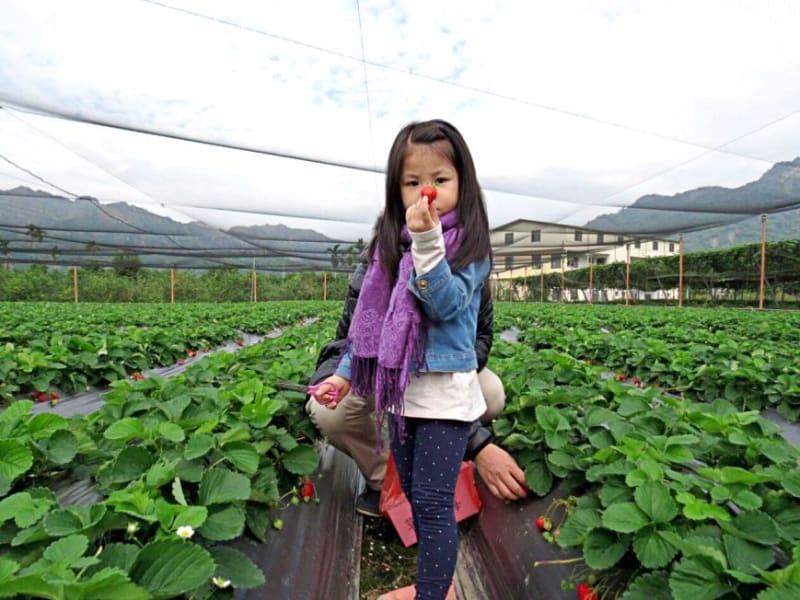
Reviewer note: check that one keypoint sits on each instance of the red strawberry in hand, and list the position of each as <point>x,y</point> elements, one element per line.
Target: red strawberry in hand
<point>430,193</point>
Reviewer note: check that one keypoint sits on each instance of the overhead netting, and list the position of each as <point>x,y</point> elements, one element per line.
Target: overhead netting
<point>196,135</point>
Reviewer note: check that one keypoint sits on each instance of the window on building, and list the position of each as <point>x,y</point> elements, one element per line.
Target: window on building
<point>655,244</point>
<point>555,262</point>
<point>578,236</point>
<point>637,244</point>
<point>672,246</point>
<point>536,235</point>
<point>600,260</point>
<point>509,238</point>
<point>572,261</point>
<point>620,239</point>
<point>509,263</point>
<point>536,261</point>
<point>600,238</point>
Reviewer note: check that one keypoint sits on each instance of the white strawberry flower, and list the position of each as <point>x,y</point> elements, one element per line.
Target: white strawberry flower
<point>221,582</point>
<point>185,532</point>
<point>132,528</point>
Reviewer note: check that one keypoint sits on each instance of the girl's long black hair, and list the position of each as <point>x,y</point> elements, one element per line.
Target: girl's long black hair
<point>471,208</point>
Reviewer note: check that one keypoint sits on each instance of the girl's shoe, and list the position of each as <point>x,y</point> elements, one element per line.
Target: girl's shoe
<point>409,593</point>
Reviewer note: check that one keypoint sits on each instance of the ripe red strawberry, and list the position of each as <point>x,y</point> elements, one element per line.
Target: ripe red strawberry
<point>586,593</point>
<point>54,396</point>
<point>40,396</point>
<point>540,523</point>
<point>429,192</point>
<point>240,343</point>
<point>307,491</point>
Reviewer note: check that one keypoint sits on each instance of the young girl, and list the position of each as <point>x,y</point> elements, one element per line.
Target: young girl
<point>411,343</point>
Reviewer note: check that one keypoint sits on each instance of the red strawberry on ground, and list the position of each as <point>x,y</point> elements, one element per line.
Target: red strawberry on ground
<point>40,396</point>
<point>540,523</point>
<point>429,192</point>
<point>53,395</point>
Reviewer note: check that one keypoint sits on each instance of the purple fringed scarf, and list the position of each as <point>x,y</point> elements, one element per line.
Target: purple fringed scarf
<point>387,331</point>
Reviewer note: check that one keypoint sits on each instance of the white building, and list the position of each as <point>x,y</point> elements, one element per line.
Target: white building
<point>525,248</point>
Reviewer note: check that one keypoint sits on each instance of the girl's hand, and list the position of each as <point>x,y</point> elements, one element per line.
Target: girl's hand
<point>421,216</point>
<point>330,391</point>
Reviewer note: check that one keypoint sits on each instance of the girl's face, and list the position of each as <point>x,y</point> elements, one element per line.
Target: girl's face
<point>426,164</point>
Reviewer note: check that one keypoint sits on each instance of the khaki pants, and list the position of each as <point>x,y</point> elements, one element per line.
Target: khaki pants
<point>350,426</point>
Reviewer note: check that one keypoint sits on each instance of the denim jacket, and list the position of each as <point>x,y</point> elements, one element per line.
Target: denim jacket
<point>450,301</point>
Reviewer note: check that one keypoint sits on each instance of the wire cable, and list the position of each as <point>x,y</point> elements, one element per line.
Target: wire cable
<point>447,82</point>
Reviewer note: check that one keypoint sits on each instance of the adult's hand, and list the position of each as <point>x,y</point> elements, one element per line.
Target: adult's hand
<point>501,473</point>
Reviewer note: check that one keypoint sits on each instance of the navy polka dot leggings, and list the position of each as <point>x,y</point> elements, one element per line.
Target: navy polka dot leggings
<point>428,462</point>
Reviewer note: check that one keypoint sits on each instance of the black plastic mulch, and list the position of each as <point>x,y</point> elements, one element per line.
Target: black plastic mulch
<point>317,553</point>
<point>498,550</point>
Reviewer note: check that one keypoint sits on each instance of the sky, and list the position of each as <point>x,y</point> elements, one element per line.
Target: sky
<point>261,111</point>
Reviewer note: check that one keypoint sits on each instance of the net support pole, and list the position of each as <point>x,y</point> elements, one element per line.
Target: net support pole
<point>254,282</point>
<point>563,277</point>
<point>627,274</point>
<point>680,271</point>
<point>75,284</point>
<point>172,285</point>
<point>527,284</point>
<point>591,278</point>
<point>541,283</point>
<point>325,285</point>
<point>763,262</point>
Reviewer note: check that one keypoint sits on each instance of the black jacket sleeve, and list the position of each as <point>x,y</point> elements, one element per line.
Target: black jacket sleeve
<point>485,327</point>
<point>329,355</point>
<point>479,437</point>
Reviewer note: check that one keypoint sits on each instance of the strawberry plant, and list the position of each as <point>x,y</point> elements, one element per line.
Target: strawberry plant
<point>182,466</point>
<point>688,495</point>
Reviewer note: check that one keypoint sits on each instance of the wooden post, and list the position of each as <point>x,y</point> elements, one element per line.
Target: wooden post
<point>253,282</point>
<point>172,285</point>
<point>680,271</point>
<point>75,284</point>
<point>563,263</point>
<point>541,283</point>
<point>527,283</point>
<point>627,274</point>
<point>591,277</point>
<point>325,286</point>
<point>763,261</point>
